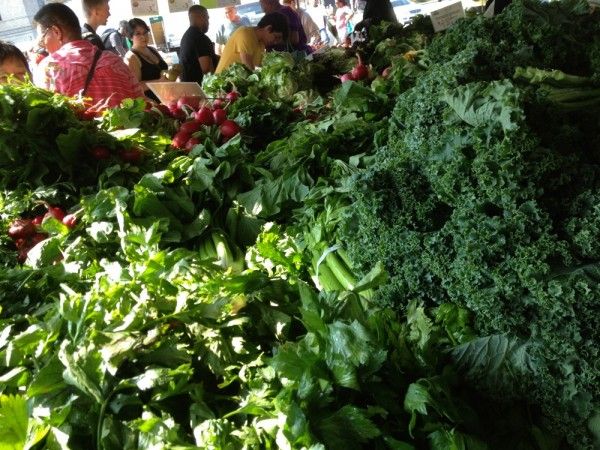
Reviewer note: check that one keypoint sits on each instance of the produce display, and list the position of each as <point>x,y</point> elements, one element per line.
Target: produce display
<point>393,246</point>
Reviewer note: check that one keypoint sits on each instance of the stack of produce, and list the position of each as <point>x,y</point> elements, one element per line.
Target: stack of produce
<point>405,259</point>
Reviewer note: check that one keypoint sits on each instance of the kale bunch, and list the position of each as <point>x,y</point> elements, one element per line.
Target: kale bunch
<point>486,195</point>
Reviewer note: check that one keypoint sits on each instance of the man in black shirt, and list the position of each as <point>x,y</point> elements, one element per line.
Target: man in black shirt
<point>197,52</point>
<point>96,14</point>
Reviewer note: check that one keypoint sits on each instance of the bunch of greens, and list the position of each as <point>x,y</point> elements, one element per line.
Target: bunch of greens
<point>483,195</point>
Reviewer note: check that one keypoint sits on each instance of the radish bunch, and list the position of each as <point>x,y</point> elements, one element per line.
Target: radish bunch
<point>359,72</point>
<point>208,121</point>
<point>26,233</point>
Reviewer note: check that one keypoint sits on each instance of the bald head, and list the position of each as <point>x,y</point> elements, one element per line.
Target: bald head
<point>198,16</point>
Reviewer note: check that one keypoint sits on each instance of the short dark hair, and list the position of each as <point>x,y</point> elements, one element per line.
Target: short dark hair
<point>57,14</point>
<point>133,24</point>
<point>197,9</point>
<point>9,51</point>
<point>88,5</point>
<point>278,23</point>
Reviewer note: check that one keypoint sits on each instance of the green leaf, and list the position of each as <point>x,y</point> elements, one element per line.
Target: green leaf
<point>454,440</point>
<point>348,428</point>
<point>48,379</point>
<point>375,278</point>
<point>415,401</point>
<point>487,103</point>
<point>75,373</point>
<point>14,419</point>
<point>72,143</point>
<point>45,253</point>
<point>490,356</point>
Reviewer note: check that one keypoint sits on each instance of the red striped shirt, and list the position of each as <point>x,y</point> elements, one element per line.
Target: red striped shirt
<point>66,70</point>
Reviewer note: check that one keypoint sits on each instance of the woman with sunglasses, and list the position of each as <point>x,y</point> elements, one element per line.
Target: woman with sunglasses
<point>144,61</point>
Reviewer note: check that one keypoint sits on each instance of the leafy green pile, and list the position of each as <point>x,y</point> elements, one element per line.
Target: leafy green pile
<point>484,195</point>
<point>207,300</point>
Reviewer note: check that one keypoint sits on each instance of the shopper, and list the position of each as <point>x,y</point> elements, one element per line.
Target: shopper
<point>145,62</point>
<point>233,22</point>
<point>247,44</point>
<point>377,11</point>
<point>297,38</point>
<point>75,66</point>
<point>13,63</point>
<point>343,14</point>
<point>116,40</point>
<point>96,14</point>
<point>311,29</point>
<point>197,52</point>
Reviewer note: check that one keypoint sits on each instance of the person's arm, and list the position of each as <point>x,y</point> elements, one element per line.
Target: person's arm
<point>206,64</point>
<point>134,64</point>
<point>205,53</point>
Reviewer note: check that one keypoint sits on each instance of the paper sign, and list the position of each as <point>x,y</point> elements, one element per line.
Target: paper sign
<point>179,5</point>
<point>209,4</point>
<point>444,17</point>
<point>157,26</point>
<point>144,7</point>
<point>171,91</point>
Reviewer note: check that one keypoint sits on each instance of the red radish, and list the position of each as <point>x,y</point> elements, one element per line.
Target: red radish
<point>360,72</point>
<point>180,139</point>
<point>190,127</point>
<point>178,114</point>
<point>232,96</point>
<point>131,155</point>
<point>100,152</point>
<point>218,103</point>
<point>191,143</point>
<point>21,229</point>
<point>386,72</point>
<point>37,220</point>
<point>70,220</point>
<point>346,77</point>
<point>205,116</point>
<point>193,101</point>
<point>229,129</point>
<point>37,238</point>
<point>55,211</point>
<point>219,115</point>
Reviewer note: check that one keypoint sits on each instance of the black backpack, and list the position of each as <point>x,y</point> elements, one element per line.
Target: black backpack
<point>106,34</point>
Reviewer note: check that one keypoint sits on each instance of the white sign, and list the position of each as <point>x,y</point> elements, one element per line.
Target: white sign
<point>144,7</point>
<point>179,5</point>
<point>444,17</point>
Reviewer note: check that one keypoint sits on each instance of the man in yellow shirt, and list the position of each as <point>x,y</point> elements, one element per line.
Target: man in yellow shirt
<point>247,44</point>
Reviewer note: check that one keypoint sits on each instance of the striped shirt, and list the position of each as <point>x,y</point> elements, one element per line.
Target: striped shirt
<point>66,70</point>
